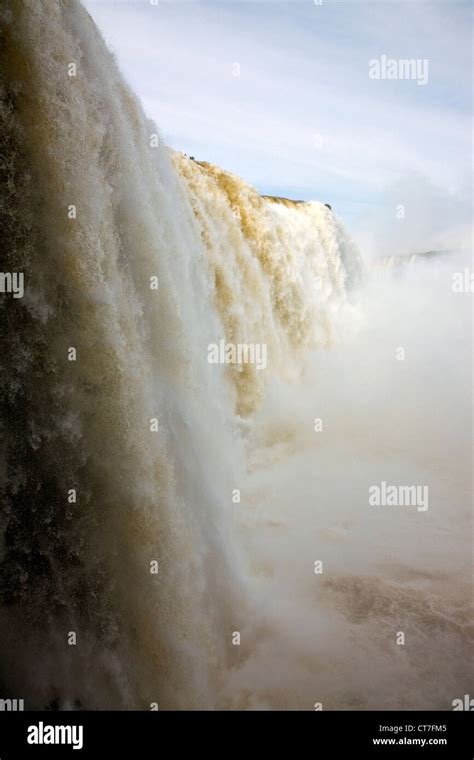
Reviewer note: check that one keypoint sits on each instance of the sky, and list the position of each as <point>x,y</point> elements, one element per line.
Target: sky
<point>280,94</point>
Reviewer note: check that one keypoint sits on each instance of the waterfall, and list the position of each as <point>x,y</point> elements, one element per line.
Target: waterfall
<point>136,473</point>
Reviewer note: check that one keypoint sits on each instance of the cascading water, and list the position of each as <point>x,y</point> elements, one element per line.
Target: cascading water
<point>155,504</point>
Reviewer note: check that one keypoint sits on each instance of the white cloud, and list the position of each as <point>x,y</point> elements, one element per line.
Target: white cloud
<point>303,71</point>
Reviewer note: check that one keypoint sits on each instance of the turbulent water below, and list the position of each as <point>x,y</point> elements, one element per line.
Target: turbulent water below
<point>199,534</point>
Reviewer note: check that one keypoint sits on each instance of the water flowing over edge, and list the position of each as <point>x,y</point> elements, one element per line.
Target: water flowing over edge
<point>162,258</point>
